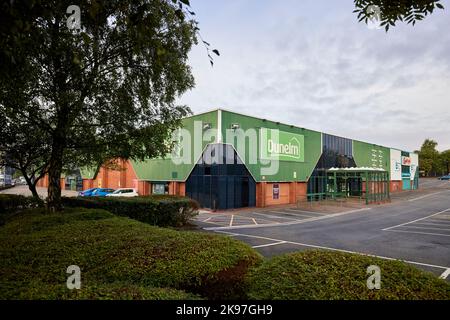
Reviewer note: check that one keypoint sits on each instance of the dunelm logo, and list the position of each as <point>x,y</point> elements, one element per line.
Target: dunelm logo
<point>292,149</point>
<point>281,145</point>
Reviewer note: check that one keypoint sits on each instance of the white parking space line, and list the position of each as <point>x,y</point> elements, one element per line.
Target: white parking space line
<point>207,219</point>
<point>254,221</point>
<point>293,214</point>
<point>305,211</point>
<point>269,244</point>
<point>428,195</point>
<point>271,216</point>
<point>278,224</point>
<point>442,222</point>
<point>433,224</point>
<point>335,249</point>
<point>445,274</point>
<point>402,224</point>
<point>420,232</point>
<point>216,223</point>
<point>231,220</point>
<point>427,228</point>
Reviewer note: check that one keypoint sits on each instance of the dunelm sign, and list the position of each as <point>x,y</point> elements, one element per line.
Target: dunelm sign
<point>281,145</point>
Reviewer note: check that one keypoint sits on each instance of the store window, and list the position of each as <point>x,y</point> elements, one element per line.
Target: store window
<point>160,188</point>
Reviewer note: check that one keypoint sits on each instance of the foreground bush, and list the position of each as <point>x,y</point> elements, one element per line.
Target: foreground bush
<point>11,203</point>
<point>333,275</point>
<point>159,211</point>
<point>37,290</point>
<point>36,248</point>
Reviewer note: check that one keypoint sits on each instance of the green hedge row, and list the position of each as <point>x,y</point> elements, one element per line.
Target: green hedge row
<point>12,203</point>
<point>159,211</point>
<point>328,275</point>
<point>119,258</point>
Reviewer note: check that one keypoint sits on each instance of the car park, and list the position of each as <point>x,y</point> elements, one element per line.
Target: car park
<point>123,192</point>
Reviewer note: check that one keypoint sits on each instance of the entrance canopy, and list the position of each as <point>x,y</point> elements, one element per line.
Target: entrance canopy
<point>370,184</point>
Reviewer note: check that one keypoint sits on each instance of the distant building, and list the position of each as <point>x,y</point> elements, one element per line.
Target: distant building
<point>6,174</point>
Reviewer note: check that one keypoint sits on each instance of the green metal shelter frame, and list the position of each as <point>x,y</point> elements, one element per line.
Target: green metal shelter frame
<point>370,185</point>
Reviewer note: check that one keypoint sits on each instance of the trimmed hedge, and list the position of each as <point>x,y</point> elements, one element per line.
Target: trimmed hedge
<point>37,290</point>
<point>12,203</point>
<point>115,252</point>
<point>158,211</point>
<point>325,275</point>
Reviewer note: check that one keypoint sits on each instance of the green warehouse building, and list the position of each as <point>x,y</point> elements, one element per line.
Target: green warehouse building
<point>226,160</point>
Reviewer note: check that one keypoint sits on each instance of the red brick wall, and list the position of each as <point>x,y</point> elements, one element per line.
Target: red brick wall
<point>144,188</point>
<point>290,192</point>
<point>121,176</point>
<point>177,188</point>
<point>88,184</point>
<point>395,186</point>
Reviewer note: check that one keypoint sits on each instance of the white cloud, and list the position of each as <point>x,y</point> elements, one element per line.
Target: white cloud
<point>311,64</point>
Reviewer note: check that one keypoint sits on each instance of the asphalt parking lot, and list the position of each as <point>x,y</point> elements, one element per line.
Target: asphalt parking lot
<point>414,227</point>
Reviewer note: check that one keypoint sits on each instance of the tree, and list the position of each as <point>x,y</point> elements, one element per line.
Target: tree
<point>105,89</point>
<point>445,161</point>
<point>389,12</point>
<point>24,152</point>
<point>429,157</point>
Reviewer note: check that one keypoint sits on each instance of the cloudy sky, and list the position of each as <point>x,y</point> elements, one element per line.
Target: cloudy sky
<point>311,64</point>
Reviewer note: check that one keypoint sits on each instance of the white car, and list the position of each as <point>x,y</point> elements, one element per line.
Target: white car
<point>123,192</point>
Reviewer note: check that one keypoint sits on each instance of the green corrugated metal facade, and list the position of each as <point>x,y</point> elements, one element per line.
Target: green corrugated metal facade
<point>365,154</point>
<point>165,169</point>
<point>288,171</point>
<point>371,155</point>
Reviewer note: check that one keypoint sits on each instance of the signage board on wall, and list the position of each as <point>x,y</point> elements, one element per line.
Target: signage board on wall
<point>406,161</point>
<point>281,145</point>
<point>276,191</point>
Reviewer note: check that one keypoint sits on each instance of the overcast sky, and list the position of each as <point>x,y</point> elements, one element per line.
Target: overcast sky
<point>311,64</point>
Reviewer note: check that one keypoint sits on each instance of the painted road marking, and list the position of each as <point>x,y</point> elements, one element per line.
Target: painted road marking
<point>272,216</point>
<point>287,223</point>
<point>231,220</point>
<point>430,228</point>
<point>402,224</point>
<point>254,221</point>
<point>305,211</point>
<point>440,221</point>
<point>428,195</point>
<point>292,213</point>
<point>445,274</point>
<point>289,213</point>
<point>433,224</point>
<point>420,232</point>
<point>336,249</point>
<point>269,244</point>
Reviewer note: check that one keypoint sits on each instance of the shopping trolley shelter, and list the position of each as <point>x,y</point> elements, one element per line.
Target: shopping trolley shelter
<point>281,188</point>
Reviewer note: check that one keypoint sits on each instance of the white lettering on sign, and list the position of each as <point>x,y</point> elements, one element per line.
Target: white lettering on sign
<point>285,149</point>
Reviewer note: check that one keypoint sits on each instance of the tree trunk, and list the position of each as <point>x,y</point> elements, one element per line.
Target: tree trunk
<point>31,186</point>
<point>54,176</point>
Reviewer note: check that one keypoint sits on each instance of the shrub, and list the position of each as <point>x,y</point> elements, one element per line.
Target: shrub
<point>37,290</point>
<point>37,247</point>
<point>158,211</point>
<point>11,203</point>
<point>334,275</point>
